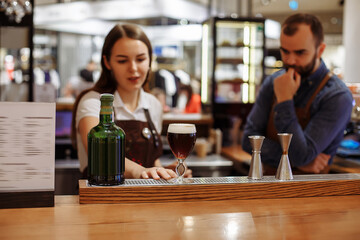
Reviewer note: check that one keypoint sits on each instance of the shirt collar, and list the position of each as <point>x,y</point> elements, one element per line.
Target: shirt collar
<point>142,100</point>
<point>118,102</point>
<point>319,74</point>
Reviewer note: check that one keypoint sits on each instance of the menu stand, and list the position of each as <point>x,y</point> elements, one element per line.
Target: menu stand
<point>27,154</point>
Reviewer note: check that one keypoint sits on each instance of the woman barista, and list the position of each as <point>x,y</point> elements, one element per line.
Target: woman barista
<point>126,61</point>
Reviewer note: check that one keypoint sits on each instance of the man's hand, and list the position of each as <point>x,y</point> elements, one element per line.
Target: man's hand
<point>286,85</point>
<point>317,165</point>
<point>157,173</point>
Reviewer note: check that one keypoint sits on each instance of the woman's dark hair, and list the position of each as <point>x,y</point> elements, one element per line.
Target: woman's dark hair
<point>106,82</point>
<point>290,26</point>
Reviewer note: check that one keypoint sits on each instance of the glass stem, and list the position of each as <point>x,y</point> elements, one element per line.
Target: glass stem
<point>180,169</point>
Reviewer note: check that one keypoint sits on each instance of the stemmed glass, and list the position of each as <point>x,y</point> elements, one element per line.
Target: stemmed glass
<point>181,138</point>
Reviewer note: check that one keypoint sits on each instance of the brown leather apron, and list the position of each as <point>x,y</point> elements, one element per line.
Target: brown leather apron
<point>141,148</point>
<point>303,116</point>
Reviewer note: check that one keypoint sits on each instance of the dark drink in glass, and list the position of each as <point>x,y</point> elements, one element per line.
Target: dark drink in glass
<point>181,138</point>
<point>181,144</point>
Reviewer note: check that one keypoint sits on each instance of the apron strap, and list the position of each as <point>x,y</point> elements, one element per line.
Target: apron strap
<point>321,85</point>
<point>303,114</point>
<point>152,128</point>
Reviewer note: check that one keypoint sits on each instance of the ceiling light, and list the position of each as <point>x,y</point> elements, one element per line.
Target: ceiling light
<point>293,4</point>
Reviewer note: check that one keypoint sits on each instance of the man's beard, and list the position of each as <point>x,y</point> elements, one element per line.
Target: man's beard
<point>303,71</point>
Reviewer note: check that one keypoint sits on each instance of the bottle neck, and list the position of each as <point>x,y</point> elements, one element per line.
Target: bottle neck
<point>106,118</point>
<point>106,114</point>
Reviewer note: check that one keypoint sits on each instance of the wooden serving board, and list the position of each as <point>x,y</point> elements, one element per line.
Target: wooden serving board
<point>221,188</point>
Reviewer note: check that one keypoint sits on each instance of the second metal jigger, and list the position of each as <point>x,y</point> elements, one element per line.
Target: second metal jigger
<point>256,171</point>
<point>284,171</point>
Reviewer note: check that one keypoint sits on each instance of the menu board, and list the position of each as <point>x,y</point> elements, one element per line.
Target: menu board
<point>27,147</point>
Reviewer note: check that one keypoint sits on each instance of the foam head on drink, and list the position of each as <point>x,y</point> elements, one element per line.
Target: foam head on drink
<point>181,138</point>
<point>182,128</point>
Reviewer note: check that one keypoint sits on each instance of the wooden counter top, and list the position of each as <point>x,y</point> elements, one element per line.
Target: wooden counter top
<point>293,218</point>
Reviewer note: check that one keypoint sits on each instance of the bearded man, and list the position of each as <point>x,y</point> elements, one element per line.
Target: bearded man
<point>304,99</point>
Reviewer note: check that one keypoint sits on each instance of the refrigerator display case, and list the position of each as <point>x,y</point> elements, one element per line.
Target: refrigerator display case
<point>232,66</point>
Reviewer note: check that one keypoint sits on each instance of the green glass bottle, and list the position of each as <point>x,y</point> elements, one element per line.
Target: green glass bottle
<point>106,148</point>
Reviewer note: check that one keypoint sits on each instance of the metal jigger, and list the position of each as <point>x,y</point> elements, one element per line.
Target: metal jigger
<point>256,171</point>
<point>284,171</point>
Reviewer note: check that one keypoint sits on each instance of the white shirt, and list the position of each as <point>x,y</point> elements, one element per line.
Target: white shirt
<point>89,106</point>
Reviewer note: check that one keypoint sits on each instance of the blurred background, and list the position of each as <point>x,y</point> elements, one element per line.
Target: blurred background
<point>50,50</point>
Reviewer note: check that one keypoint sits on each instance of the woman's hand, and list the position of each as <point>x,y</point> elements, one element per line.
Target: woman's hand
<point>157,173</point>
<point>134,170</point>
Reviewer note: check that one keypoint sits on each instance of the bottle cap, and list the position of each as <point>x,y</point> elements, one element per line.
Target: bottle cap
<point>107,97</point>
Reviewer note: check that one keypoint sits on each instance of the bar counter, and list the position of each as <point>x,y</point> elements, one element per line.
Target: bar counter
<point>287,218</point>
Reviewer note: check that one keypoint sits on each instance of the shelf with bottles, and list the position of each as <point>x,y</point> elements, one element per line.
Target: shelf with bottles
<point>235,32</point>
<point>235,61</point>
<point>272,64</point>
<point>250,57</point>
<point>229,92</point>
<point>223,45</point>
<point>232,63</point>
<point>251,72</point>
<point>272,61</point>
<point>231,81</point>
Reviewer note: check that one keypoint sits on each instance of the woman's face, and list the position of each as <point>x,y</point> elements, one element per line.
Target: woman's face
<point>129,63</point>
